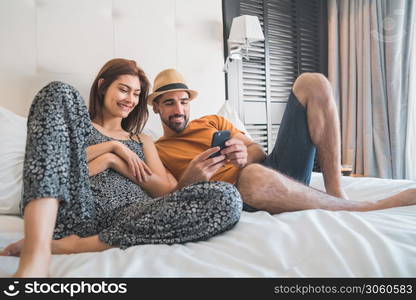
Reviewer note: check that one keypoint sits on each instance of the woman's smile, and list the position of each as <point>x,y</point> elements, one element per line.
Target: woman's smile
<point>125,107</point>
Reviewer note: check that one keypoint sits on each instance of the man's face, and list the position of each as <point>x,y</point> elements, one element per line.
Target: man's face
<point>173,108</point>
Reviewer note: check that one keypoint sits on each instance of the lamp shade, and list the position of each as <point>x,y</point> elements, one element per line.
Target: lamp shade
<point>245,29</point>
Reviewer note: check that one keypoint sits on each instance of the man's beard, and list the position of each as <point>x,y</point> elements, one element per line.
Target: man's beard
<point>178,128</point>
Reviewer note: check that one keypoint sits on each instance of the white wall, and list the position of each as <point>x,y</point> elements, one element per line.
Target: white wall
<point>69,40</point>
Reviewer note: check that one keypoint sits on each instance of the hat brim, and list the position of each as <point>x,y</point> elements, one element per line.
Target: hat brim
<point>152,96</point>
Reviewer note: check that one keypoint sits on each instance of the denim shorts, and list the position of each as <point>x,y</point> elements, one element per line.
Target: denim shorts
<point>293,153</point>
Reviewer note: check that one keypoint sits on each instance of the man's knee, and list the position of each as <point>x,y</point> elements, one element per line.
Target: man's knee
<point>249,175</point>
<point>312,86</point>
<point>260,187</point>
<point>248,182</point>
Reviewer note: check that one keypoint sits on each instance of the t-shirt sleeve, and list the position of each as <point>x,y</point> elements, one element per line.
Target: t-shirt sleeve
<point>223,124</point>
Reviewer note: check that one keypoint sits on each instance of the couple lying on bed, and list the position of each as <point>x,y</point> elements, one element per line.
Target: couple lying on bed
<point>93,181</point>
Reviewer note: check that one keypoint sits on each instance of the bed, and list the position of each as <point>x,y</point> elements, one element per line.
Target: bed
<point>310,243</point>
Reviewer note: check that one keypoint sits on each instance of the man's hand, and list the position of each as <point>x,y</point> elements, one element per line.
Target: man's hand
<point>202,168</point>
<point>236,152</point>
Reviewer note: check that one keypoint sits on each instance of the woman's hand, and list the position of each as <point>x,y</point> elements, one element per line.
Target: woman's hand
<point>13,249</point>
<point>202,167</point>
<point>138,167</point>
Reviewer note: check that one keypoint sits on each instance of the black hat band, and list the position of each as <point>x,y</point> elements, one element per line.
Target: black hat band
<point>172,86</point>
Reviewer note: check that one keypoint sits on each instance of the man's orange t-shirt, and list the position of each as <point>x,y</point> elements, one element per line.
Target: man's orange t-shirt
<point>177,151</point>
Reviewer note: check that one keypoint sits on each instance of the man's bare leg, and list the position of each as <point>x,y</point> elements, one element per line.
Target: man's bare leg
<point>39,223</point>
<point>314,92</point>
<point>269,190</point>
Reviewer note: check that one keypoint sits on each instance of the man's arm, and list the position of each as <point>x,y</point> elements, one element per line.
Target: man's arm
<point>255,152</point>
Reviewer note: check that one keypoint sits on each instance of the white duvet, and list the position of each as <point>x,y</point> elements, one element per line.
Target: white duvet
<point>312,243</point>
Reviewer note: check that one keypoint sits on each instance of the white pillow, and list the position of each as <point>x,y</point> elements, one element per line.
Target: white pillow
<point>12,152</point>
<point>231,115</point>
<point>153,127</point>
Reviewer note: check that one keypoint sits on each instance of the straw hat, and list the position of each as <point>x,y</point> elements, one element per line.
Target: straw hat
<point>167,81</point>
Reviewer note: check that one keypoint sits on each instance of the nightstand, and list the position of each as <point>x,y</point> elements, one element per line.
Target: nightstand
<point>346,170</point>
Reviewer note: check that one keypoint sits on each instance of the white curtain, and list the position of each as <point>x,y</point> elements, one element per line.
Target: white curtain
<point>369,67</point>
<point>410,171</point>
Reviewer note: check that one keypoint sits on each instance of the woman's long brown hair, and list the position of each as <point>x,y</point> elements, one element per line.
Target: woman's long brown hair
<point>114,68</point>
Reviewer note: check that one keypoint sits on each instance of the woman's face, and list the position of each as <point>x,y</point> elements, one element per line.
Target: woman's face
<point>122,96</point>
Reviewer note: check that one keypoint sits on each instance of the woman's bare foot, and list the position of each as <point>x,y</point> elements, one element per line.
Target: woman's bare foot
<point>37,266</point>
<point>13,249</point>
<point>35,252</point>
<point>33,262</point>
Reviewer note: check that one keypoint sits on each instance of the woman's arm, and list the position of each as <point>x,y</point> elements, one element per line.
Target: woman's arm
<point>101,163</point>
<point>154,184</point>
<point>100,156</point>
<point>97,150</point>
<point>159,183</point>
<point>111,161</point>
<point>163,182</point>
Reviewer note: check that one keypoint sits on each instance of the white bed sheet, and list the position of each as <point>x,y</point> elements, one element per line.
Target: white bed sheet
<point>312,243</point>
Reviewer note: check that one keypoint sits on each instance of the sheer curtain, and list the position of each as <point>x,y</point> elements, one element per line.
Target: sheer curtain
<point>369,67</point>
<point>410,171</point>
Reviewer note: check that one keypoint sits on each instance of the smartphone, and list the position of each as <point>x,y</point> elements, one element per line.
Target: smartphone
<point>218,139</point>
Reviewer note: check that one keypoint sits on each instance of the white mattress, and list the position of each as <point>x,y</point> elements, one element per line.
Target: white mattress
<point>312,243</point>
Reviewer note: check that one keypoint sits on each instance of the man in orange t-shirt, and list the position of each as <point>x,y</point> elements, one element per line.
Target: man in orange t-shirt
<point>276,182</point>
<point>193,140</point>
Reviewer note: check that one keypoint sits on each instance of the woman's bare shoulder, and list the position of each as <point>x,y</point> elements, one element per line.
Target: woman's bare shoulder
<point>143,138</point>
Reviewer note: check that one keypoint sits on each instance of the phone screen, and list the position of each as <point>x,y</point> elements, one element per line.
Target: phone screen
<point>218,139</point>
